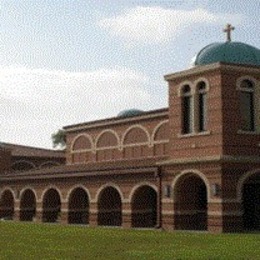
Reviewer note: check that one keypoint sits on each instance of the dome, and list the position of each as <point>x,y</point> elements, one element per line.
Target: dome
<point>130,112</point>
<point>229,52</point>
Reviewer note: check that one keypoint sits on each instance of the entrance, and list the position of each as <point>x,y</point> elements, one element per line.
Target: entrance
<point>251,203</point>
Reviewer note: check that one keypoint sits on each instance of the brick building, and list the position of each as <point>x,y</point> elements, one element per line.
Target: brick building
<point>192,166</point>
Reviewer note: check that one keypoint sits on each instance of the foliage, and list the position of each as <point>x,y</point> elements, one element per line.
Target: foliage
<point>53,241</point>
<point>59,139</point>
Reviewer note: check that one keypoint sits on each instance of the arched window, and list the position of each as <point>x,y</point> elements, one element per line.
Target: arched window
<point>247,105</point>
<point>202,106</point>
<point>187,110</point>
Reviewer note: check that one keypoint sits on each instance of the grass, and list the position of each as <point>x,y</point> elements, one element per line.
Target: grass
<point>49,241</point>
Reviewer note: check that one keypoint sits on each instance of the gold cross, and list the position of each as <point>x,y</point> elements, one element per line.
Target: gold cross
<point>228,30</point>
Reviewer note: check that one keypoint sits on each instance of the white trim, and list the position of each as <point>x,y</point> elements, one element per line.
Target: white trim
<point>195,172</point>
<point>26,162</point>
<point>199,80</point>
<point>131,128</point>
<point>25,189</point>
<point>246,77</point>
<point>102,133</point>
<point>53,163</point>
<point>49,188</point>
<point>76,187</point>
<point>107,185</point>
<point>139,185</point>
<point>83,150</point>
<point>181,86</point>
<point>242,180</point>
<point>155,130</point>
<point>8,189</point>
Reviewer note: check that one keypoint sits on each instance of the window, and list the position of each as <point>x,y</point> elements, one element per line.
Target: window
<point>202,106</point>
<point>186,110</point>
<point>247,106</point>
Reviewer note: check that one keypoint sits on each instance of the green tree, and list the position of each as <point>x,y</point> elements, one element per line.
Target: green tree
<point>59,139</point>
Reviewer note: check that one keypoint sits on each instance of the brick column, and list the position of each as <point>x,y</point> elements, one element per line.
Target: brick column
<point>167,214</point>
<point>215,217</point>
<point>39,212</point>
<point>64,212</point>
<point>126,215</point>
<point>93,214</point>
<point>16,215</point>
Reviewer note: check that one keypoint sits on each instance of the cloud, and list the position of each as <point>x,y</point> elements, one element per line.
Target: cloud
<point>157,25</point>
<point>36,102</point>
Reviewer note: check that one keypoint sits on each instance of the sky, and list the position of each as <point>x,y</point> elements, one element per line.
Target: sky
<point>64,62</point>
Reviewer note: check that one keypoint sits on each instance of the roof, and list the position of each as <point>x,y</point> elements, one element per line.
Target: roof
<point>229,52</point>
<point>90,169</point>
<point>28,151</point>
<point>117,120</point>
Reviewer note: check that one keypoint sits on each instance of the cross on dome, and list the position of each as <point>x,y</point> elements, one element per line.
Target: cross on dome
<point>228,30</point>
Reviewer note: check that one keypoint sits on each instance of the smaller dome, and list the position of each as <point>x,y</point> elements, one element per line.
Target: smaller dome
<point>130,112</point>
<point>229,52</point>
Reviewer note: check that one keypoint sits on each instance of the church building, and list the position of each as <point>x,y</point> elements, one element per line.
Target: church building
<point>194,165</point>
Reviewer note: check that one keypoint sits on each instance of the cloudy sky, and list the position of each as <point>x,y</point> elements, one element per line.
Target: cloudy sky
<point>70,61</point>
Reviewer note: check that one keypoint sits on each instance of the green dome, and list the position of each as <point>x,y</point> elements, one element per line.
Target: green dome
<point>130,112</point>
<point>229,52</point>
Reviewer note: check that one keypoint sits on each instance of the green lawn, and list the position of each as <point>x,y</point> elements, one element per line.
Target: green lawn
<point>46,241</point>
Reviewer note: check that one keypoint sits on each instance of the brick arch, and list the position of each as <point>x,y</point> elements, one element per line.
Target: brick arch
<point>7,203</point>
<point>196,172</point>
<point>137,186</point>
<point>160,133</point>
<point>82,142</point>
<point>184,83</point>
<point>136,142</point>
<point>51,204</point>
<point>141,135</point>
<point>28,204</point>
<point>242,180</point>
<point>28,188</point>
<point>8,189</point>
<point>160,139</point>
<point>107,145</point>
<point>144,206</point>
<point>113,185</point>
<point>107,138</point>
<point>75,187</point>
<point>78,200</point>
<point>82,148</point>
<point>191,207</point>
<point>28,165</point>
<point>51,187</point>
<point>48,164</point>
<point>202,79</point>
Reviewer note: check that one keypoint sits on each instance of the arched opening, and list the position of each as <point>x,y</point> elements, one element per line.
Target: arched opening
<point>27,206</point>
<point>23,166</point>
<point>251,203</point>
<point>109,208</point>
<point>107,146</point>
<point>81,149</point>
<point>78,207</point>
<point>144,207</point>
<point>190,203</point>
<point>161,139</point>
<point>136,143</point>
<point>7,205</point>
<point>51,206</point>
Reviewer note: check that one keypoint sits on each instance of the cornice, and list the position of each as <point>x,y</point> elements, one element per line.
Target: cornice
<point>206,159</point>
<point>211,67</point>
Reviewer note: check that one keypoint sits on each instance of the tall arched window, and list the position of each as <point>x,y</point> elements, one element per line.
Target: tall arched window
<point>187,110</point>
<point>247,106</point>
<point>202,106</point>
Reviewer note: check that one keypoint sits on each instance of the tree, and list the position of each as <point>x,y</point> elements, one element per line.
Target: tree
<point>59,139</point>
